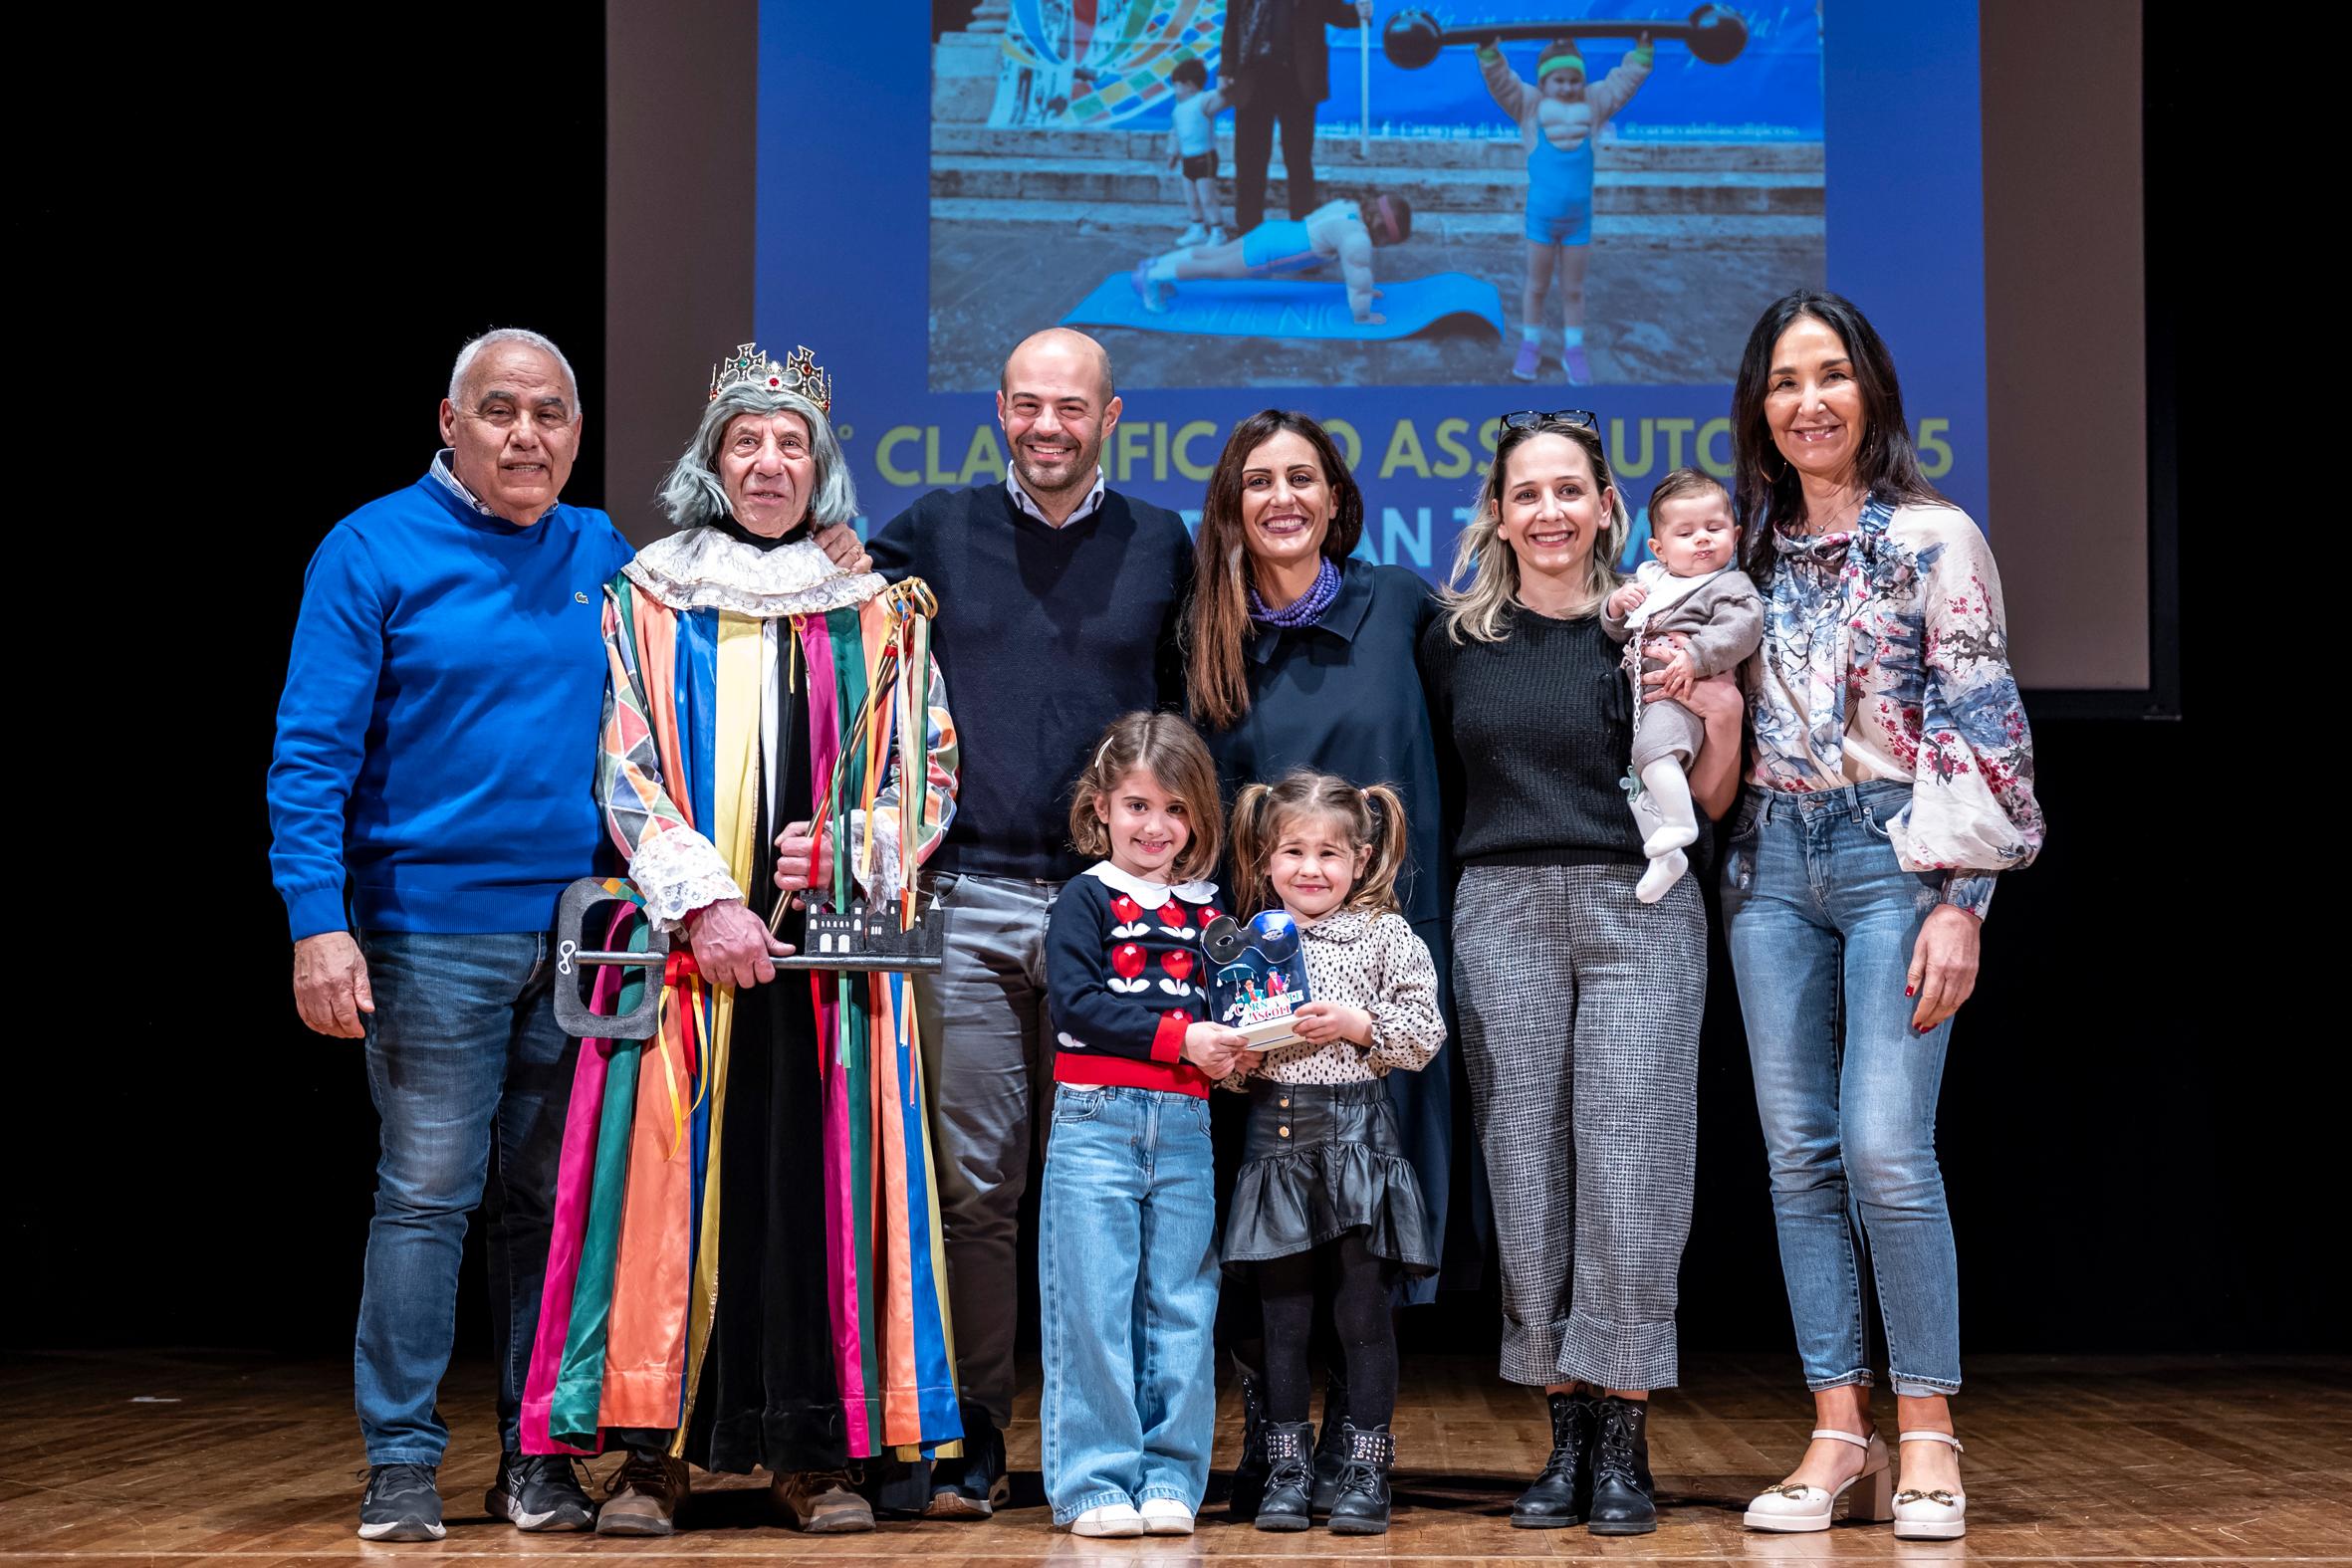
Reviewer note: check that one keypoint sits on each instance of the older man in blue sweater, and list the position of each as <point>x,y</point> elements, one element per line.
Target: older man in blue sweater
<point>430,795</point>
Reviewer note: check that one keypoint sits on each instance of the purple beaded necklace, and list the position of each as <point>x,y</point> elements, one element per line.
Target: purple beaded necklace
<point>1307,608</point>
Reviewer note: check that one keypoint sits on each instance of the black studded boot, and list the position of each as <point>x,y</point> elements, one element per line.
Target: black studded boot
<point>1248,1471</point>
<point>1622,1492</point>
<point>1360,1505</point>
<point>1290,1476</point>
<point>1561,1494</point>
<point>1330,1447</point>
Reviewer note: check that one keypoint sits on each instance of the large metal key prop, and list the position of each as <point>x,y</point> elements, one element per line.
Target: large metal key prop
<point>860,940</point>
<point>1715,34</point>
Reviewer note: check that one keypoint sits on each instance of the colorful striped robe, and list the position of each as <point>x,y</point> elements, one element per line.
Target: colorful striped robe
<point>632,1275</point>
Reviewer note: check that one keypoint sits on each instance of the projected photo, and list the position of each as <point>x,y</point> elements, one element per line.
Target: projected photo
<point>1361,192</point>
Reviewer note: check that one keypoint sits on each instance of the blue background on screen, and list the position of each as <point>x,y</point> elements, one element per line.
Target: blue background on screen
<point>844,256</point>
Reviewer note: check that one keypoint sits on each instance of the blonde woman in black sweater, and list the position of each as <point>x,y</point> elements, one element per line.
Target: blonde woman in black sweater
<point>1534,726</point>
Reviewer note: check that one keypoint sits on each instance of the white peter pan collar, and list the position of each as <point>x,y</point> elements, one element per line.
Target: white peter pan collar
<point>1151,894</point>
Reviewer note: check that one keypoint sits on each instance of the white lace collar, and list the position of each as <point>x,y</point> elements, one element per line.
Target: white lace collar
<point>703,568</point>
<point>1151,894</point>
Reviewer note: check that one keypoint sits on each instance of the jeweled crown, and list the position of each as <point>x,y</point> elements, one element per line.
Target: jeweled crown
<point>797,373</point>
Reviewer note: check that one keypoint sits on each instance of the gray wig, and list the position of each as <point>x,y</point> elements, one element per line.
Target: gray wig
<point>693,494</point>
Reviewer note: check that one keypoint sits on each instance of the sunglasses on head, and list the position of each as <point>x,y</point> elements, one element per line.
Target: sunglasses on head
<point>1538,418</point>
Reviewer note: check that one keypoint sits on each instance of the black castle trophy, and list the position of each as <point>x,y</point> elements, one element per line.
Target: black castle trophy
<point>859,940</point>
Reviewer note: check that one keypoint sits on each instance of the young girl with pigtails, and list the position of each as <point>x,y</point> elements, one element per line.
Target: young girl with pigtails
<point>1324,1187</point>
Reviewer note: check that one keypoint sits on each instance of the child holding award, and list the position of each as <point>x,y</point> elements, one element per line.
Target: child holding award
<point>1324,1184</point>
<point>1127,1239</point>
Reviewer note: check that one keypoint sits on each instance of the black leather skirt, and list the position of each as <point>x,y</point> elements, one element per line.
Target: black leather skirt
<point>1320,1160</point>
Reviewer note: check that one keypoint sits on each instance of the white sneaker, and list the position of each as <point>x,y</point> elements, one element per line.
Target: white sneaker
<point>1165,1516</point>
<point>1216,234</point>
<point>1787,1508</point>
<point>1197,234</point>
<point>1111,1519</point>
<point>1937,1516</point>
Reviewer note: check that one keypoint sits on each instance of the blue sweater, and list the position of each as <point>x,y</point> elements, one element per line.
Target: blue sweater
<point>437,736</point>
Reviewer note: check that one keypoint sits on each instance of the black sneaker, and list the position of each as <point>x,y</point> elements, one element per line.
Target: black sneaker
<point>539,1491</point>
<point>403,1505</point>
<point>976,1485</point>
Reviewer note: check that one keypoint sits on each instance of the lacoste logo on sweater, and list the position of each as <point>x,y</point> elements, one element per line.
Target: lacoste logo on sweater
<point>579,597</point>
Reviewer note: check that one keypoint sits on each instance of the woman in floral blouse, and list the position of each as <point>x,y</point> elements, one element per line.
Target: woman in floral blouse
<point>1892,782</point>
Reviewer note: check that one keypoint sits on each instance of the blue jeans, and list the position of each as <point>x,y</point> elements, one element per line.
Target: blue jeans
<point>1822,921</point>
<point>1127,1289</point>
<point>470,1076</point>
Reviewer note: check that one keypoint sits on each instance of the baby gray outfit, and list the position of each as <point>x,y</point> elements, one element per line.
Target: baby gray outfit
<point>1722,616</point>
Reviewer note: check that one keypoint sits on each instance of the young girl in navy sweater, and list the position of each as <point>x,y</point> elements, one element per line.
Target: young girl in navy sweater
<point>1127,1248</point>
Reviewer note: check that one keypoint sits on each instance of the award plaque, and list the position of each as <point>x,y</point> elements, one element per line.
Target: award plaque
<point>1257,977</point>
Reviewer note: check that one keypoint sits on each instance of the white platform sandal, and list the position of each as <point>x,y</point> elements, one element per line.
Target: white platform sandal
<point>1791,1509</point>
<point>1937,1516</point>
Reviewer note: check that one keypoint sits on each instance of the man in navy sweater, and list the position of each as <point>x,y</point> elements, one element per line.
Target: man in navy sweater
<point>1059,601</point>
<point>436,751</point>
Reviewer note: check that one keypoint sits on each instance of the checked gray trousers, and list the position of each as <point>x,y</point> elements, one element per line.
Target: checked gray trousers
<point>1579,1008</point>
<point>988,1046</point>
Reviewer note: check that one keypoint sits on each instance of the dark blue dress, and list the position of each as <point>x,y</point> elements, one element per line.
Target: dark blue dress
<point>1343,696</point>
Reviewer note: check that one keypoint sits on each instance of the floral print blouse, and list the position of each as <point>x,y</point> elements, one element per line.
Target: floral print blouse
<point>1885,657</point>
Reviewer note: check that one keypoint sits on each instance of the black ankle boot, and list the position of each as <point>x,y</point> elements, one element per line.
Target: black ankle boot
<point>1561,1494</point>
<point>1330,1447</point>
<point>1248,1471</point>
<point>1360,1504</point>
<point>1621,1487</point>
<point>1290,1476</point>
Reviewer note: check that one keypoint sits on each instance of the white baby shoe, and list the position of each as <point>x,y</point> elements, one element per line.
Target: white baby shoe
<point>1165,1516</point>
<point>1792,1509</point>
<point>1111,1519</point>
<point>1937,1516</point>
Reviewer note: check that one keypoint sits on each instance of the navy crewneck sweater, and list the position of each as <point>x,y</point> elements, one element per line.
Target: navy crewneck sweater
<point>1044,636</point>
<point>437,735</point>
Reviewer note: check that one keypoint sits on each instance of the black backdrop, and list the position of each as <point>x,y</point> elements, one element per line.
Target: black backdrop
<point>274,275</point>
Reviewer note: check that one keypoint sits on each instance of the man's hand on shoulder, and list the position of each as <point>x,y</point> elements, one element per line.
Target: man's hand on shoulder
<point>842,546</point>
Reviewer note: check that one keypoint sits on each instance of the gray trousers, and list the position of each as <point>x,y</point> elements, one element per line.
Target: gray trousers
<point>1580,1009</point>
<point>1668,729</point>
<point>987,1045</point>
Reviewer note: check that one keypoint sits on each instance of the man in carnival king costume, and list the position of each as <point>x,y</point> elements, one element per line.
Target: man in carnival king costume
<point>432,754</point>
<point>745,1268</point>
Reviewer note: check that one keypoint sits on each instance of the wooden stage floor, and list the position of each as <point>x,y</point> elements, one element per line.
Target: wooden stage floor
<point>198,1457</point>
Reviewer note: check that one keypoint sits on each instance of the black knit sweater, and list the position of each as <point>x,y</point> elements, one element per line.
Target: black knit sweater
<point>1045,636</point>
<point>1534,733</point>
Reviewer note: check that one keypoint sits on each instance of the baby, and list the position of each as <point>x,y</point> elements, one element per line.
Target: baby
<point>1340,231</point>
<point>1692,589</point>
<point>1558,118</point>
<point>1192,146</point>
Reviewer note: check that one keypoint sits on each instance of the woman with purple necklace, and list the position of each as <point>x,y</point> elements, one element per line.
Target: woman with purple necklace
<point>1297,656</point>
